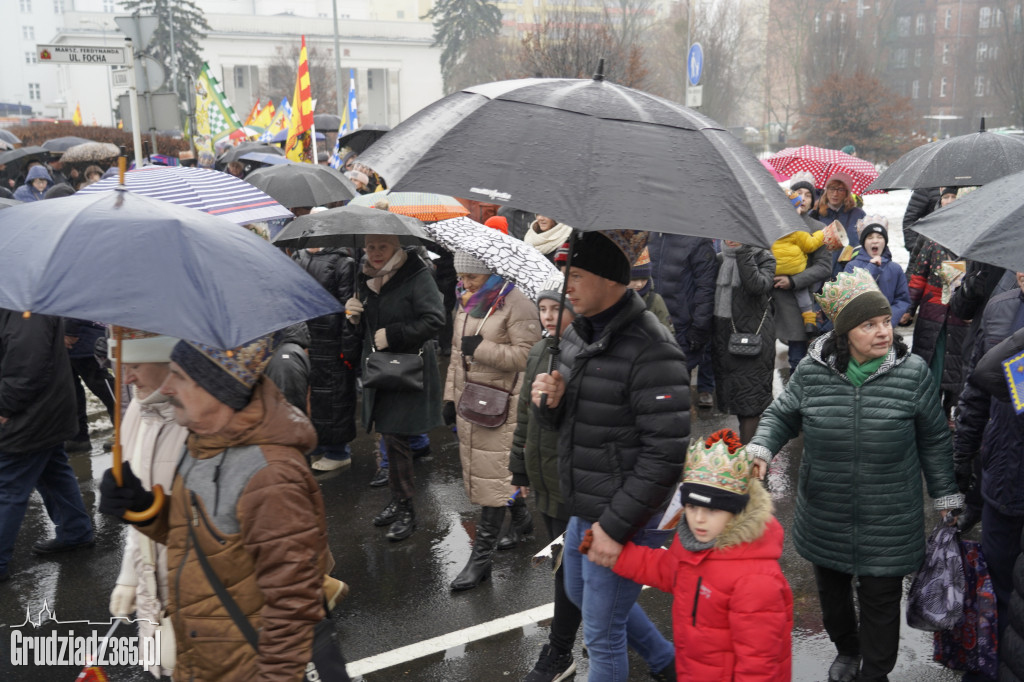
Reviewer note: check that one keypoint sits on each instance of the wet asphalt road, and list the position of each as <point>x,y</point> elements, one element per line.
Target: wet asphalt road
<point>400,597</point>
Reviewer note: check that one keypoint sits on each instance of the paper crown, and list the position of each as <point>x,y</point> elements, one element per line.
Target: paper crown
<point>720,462</point>
<point>837,294</point>
<point>630,242</point>
<point>644,259</point>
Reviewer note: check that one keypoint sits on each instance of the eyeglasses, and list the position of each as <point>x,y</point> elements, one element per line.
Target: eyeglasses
<point>837,189</point>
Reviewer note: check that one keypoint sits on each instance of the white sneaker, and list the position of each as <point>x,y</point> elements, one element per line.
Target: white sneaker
<point>328,464</point>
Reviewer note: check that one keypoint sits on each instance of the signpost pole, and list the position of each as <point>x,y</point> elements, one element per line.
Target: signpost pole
<point>133,102</point>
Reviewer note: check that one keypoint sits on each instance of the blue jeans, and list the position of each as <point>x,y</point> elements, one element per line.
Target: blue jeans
<point>797,351</point>
<point>417,442</point>
<point>612,620</point>
<point>705,373</point>
<point>49,472</point>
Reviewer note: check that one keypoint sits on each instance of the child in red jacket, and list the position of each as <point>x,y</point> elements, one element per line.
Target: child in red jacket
<point>732,610</point>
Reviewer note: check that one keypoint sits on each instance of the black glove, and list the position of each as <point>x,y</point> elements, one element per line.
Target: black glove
<point>99,351</point>
<point>471,343</point>
<point>132,496</point>
<point>963,469</point>
<point>448,412</point>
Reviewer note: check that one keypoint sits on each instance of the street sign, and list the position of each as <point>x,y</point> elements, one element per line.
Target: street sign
<point>695,63</point>
<point>150,74</point>
<point>165,112</point>
<point>694,96</point>
<point>139,29</point>
<point>119,78</point>
<point>81,54</point>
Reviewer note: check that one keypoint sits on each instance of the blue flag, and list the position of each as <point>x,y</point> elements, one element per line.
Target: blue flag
<point>349,120</point>
<point>1014,369</point>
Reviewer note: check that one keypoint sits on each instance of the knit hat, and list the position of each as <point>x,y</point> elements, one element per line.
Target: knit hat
<point>227,375</point>
<point>873,224</point>
<point>948,190</point>
<point>852,298</point>
<point>717,473</point>
<point>803,180</point>
<point>140,346</point>
<point>849,149</point>
<point>840,176</point>
<point>552,291</point>
<point>497,222</point>
<point>642,267</point>
<point>609,254</point>
<point>466,264</point>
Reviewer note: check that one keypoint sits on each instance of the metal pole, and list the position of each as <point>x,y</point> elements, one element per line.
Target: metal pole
<point>686,60</point>
<point>337,62</point>
<point>174,58</point>
<point>133,102</point>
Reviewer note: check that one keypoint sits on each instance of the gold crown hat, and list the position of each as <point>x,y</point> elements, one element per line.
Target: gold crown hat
<point>717,473</point>
<point>852,298</point>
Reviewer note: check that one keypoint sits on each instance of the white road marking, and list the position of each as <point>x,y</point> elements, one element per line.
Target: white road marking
<point>444,642</point>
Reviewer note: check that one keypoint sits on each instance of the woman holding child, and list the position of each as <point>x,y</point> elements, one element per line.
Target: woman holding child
<point>872,424</point>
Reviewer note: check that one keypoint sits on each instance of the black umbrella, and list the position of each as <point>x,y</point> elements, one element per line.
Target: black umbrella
<point>302,184</point>
<point>22,153</point>
<point>985,225</point>
<point>327,123</point>
<point>347,226</point>
<point>975,159</point>
<point>62,144</point>
<point>590,154</point>
<point>235,153</point>
<point>8,136</point>
<point>360,140</point>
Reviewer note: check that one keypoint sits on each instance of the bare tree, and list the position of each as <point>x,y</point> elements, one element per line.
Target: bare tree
<point>282,70</point>
<point>1007,69</point>
<point>791,27</point>
<point>485,60</point>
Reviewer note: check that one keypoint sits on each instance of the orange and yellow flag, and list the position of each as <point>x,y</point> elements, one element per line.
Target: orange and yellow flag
<point>254,114</point>
<point>76,118</point>
<point>300,146</point>
<point>266,116</point>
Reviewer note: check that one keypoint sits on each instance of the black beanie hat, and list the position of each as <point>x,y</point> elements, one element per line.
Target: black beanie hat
<point>598,254</point>
<point>875,228</point>
<point>712,497</point>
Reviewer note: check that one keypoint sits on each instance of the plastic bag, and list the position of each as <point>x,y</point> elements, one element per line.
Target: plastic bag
<point>936,599</point>
<point>973,645</point>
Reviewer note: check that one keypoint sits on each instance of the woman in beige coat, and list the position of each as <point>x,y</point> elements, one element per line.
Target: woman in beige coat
<point>495,327</point>
<point>153,443</point>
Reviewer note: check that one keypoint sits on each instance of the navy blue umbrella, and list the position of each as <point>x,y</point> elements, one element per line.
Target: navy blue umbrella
<point>125,259</point>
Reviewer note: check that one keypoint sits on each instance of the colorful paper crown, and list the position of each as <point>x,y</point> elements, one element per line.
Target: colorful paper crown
<point>644,259</point>
<point>630,242</point>
<point>720,462</point>
<point>837,294</point>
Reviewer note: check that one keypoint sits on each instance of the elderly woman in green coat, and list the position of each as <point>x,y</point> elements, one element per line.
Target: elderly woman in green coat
<point>872,424</point>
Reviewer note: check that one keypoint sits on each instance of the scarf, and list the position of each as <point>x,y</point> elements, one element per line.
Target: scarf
<point>548,242</point>
<point>687,539</point>
<point>858,373</point>
<point>378,277</point>
<point>492,293</point>
<point>728,278</point>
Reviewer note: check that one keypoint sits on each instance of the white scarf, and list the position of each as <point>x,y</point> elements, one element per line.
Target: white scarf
<point>379,277</point>
<point>547,242</point>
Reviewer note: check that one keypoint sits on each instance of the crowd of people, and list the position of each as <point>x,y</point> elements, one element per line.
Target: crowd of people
<point>599,443</point>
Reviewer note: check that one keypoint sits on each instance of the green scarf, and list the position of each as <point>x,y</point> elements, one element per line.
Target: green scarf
<point>858,373</point>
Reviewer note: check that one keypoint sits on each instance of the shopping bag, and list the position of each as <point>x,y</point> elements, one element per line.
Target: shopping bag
<point>936,599</point>
<point>972,646</point>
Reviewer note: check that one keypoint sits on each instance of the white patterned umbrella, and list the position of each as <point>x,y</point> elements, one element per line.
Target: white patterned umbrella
<point>510,258</point>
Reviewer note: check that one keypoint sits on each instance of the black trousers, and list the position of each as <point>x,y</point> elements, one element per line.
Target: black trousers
<point>100,381</point>
<point>399,466</point>
<point>567,618</point>
<point>877,639</point>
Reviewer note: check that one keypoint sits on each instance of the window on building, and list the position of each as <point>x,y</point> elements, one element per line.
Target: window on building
<point>31,57</point>
<point>1018,18</point>
<point>842,21</point>
<point>109,6</point>
<point>401,14</point>
<point>58,6</point>
<point>903,26</point>
<point>979,86</point>
<point>997,17</point>
<point>982,52</point>
<point>860,8</point>
<point>239,76</point>
<point>922,27</point>
<point>949,19</point>
<point>817,22</point>
<point>942,87</point>
<point>33,92</point>
<point>26,5</point>
<point>985,17</point>
<point>918,53</point>
<point>828,19</point>
<point>929,96</point>
<point>915,89</point>
<point>945,53</point>
<point>28,32</point>
<point>899,58</point>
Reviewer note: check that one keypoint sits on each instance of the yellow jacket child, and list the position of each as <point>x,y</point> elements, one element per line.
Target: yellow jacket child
<point>791,251</point>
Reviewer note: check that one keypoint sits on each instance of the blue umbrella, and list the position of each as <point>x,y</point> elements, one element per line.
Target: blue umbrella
<point>265,159</point>
<point>126,259</point>
<point>283,136</point>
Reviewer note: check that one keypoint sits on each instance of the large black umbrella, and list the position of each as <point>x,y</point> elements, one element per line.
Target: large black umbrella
<point>8,136</point>
<point>975,159</point>
<point>360,140</point>
<point>985,225</point>
<point>302,184</point>
<point>235,153</point>
<point>62,144</point>
<point>347,226</point>
<point>22,153</point>
<point>589,153</point>
<point>327,123</point>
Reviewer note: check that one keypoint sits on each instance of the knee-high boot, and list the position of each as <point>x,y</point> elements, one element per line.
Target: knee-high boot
<point>478,568</point>
<point>520,526</point>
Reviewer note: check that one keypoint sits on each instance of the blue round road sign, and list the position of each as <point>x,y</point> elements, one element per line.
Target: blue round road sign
<point>695,63</point>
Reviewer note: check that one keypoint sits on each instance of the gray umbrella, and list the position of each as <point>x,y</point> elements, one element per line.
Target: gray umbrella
<point>360,140</point>
<point>588,153</point>
<point>62,144</point>
<point>327,123</point>
<point>23,153</point>
<point>975,159</point>
<point>985,225</point>
<point>7,203</point>
<point>302,184</point>
<point>347,226</point>
<point>8,136</point>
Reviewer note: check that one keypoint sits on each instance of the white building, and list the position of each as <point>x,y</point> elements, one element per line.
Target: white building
<point>397,70</point>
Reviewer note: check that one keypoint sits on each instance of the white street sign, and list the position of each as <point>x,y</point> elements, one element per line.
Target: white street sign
<point>81,54</point>
<point>694,96</point>
<point>119,78</point>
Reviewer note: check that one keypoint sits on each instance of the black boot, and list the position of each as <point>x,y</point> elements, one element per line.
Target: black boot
<point>405,522</point>
<point>519,527</point>
<point>478,568</point>
<point>387,515</point>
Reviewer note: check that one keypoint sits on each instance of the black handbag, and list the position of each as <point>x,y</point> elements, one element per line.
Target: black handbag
<point>746,345</point>
<point>393,371</point>
<point>327,663</point>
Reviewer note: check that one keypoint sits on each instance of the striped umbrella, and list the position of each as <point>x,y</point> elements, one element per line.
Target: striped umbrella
<point>420,205</point>
<point>207,190</point>
<point>822,163</point>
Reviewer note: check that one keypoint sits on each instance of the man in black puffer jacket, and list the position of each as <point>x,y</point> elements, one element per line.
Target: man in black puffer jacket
<point>922,202</point>
<point>624,426</point>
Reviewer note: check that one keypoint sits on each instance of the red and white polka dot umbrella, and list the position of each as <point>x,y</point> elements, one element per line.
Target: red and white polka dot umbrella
<point>822,164</point>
